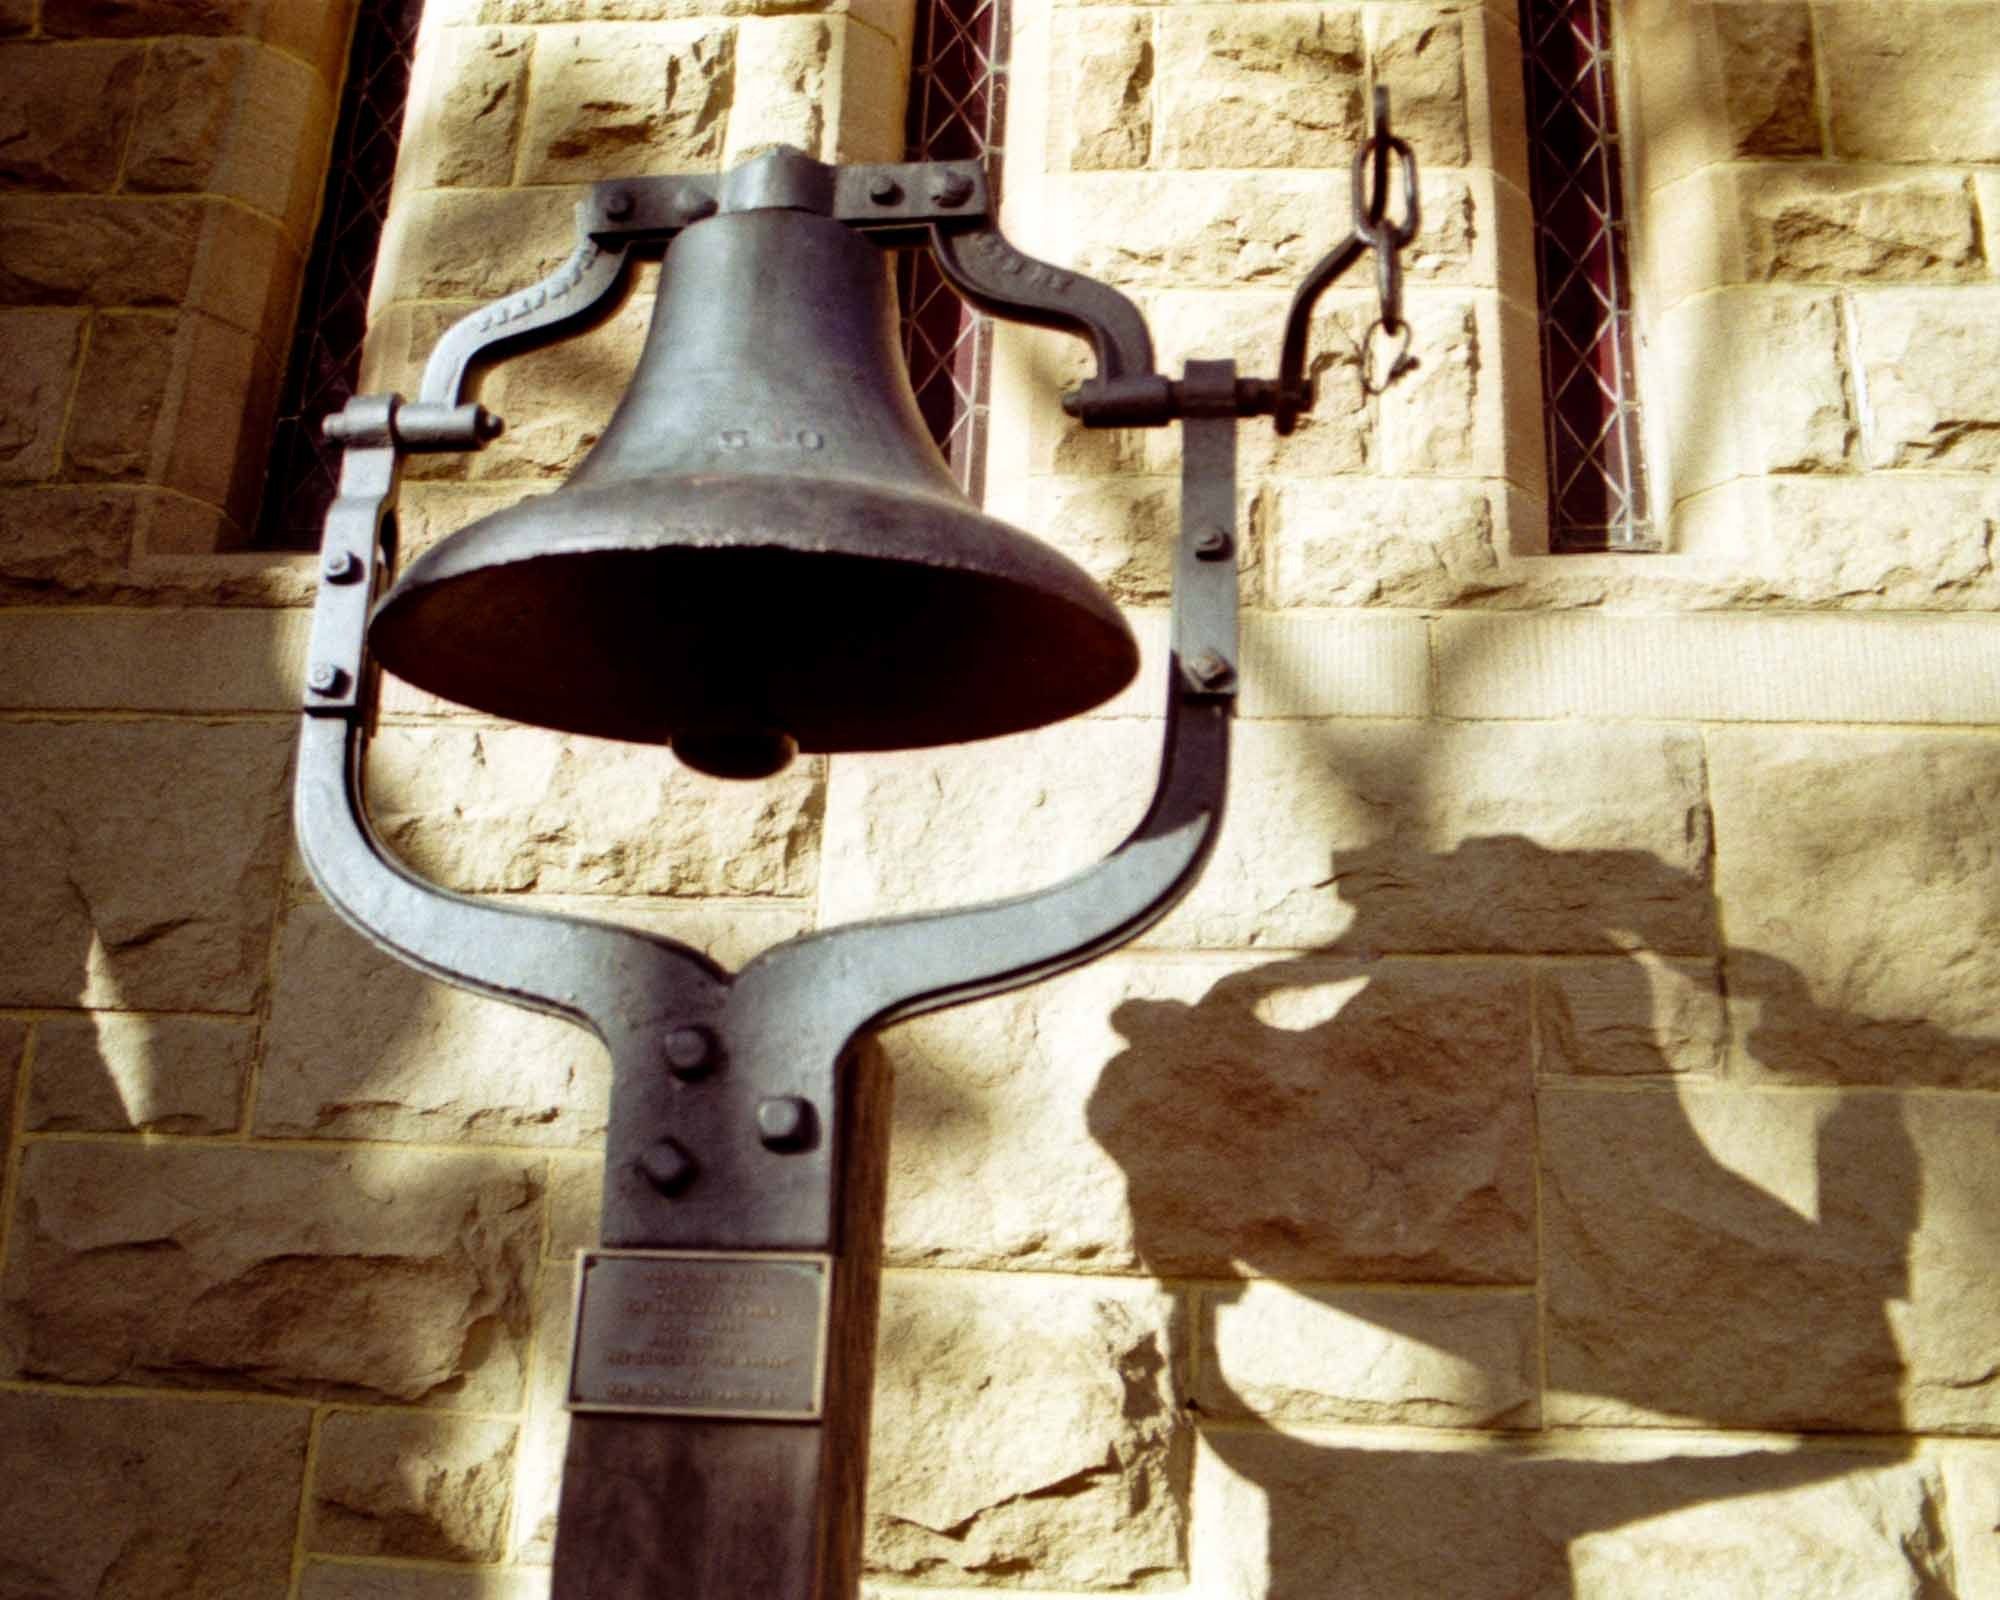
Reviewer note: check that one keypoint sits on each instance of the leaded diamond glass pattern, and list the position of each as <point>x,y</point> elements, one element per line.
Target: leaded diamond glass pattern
<point>325,360</point>
<point>1597,476</point>
<point>957,92</point>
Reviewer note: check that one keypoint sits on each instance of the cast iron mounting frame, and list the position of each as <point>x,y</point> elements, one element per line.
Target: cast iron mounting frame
<point>725,1123</point>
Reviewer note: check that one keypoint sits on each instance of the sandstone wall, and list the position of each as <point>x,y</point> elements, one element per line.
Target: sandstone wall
<point>1551,1153</point>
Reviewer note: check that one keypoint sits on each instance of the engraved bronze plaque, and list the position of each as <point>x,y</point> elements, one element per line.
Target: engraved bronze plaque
<point>698,1334</point>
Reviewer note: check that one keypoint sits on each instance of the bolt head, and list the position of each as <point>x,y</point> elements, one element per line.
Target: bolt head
<point>1212,545</point>
<point>668,1167</point>
<point>325,678</point>
<point>618,204</point>
<point>690,1052</point>
<point>340,566</point>
<point>884,190</point>
<point>695,207</point>
<point>953,189</point>
<point>785,1122</point>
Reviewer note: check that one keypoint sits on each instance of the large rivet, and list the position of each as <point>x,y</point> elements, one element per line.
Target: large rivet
<point>953,189</point>
<point>884,190</point>
<point>668,1167</point>
<point>618,204</point>
<point>785,1122</point>
<point>690,1052</point>
<point>1212,544</point>
<point>325,678</point>
<point>697,206</point>
<point>340,566</point>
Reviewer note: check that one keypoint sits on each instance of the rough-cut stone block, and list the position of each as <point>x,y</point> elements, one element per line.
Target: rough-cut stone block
<point>1636,1015</point>
<point>361,1046</point>
<point>434,1488</point>
<point>124,399</point>
<point>1089,1488</point>
<point>557,400</point>
<point>1259,86</point>
<point>13,1041</point>
<point>545,1431</point>
<point>1912,80</point>
<point>1862,917</point>
<point>61,542</point>
<point>1838,224</point>
<point>145,18</point>
<point>1698,1240</point>
<point>1309,1119</point>
<point>110,1073</point>
<point>467,130</point>
<point>1768,88</point>
<point>368,1275</point>
<point>110,252</point>
<point>239,120</point>
<point>333,1580</point>
<point>1367,1356</point>
<point>1124,532</point>
<point>609,102</point>
<point>1972,1487</point>
<point>783,73</point>
<point>1223,230</point>
<point>135,1498</point>
<point>1340,433</point>
<point>1354,1514</point>
<point>1375,542</point>
<point>159,892</point>
<point>1440,418</point>
<point>1753,383</point>
<point>1933,389</point>
<point>66,114</point>
<point>152,660</point>
<point>35,383</point>
<point>516,808</point>
<point>1889,540</point>
<point>1102,67</point>
<point>1422,55</point>
<point>452,244</point>
<point>1525,838</point>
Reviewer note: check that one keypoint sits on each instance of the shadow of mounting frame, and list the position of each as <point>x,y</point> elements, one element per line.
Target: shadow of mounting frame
<point>720,1374</point>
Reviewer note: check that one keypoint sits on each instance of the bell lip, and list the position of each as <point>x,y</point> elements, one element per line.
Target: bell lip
<point>751,516</point>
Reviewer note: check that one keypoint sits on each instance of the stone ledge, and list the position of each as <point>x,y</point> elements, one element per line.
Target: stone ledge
<point>1721,669</point>
<point>173,661</point>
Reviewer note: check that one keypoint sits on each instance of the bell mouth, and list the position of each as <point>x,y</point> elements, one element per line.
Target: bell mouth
<point>728,615</point>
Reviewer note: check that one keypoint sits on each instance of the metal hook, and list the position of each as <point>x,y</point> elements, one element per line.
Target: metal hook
<point>1399,363</point>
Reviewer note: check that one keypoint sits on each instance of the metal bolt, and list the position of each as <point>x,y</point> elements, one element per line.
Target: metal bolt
<point>695,207</point>
<point>1209,669</point>
<point>618,204</point>
<point>325,678</point>
<point>884,190</point>
<point>1212,545</point>
<point>690,1052</point>
<point>668,1167</point>
<point>953,189</point>
<point>785,1122</point>
<point>340,566</point>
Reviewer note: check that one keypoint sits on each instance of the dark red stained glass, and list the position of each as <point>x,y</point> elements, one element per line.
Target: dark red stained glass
<point>957,104</point>
<point>1597,478</point>
<point>325,360</point>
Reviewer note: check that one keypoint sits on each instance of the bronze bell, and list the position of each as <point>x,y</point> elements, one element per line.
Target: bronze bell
<point>765,552</point>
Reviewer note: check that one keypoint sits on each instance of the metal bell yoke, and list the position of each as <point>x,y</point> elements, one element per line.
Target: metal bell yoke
<point>764,552</point>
